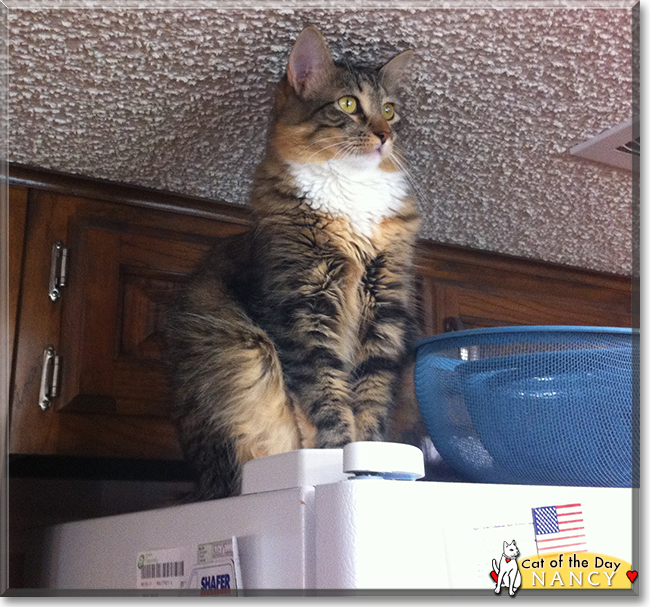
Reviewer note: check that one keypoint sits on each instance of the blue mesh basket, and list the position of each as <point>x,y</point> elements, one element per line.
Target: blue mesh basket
<point>533,405</point>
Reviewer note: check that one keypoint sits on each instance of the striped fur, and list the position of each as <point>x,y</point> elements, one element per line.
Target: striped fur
<point>296,334</point>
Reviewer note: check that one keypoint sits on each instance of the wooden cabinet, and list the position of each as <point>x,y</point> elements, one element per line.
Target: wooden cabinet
<point>123,264</point>
<point>120,278</point>
<point>127,252</point>
<point>463,289</point>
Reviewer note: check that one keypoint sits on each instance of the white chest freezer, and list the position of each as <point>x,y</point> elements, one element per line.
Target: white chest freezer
<point>303,525</point>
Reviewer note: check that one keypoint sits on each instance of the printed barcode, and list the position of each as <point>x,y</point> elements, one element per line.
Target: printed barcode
<point>172,569</point>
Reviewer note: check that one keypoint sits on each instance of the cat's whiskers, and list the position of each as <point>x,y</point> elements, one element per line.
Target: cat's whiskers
<point>327,147</point>
<point>401,165</point>
<point>400,161</point>
<point>398,158</point>
<point>348,147</point>
<point>320,141</point>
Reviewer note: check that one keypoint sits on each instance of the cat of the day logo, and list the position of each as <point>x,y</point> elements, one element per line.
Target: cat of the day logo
<point>559,571</point>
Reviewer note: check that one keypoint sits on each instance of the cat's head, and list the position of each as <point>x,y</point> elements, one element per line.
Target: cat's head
<point>327,110</point>
<point>510,550</point>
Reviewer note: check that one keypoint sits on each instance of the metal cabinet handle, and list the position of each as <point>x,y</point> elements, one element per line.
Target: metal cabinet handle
<point>49,378</point>
<point>58,269</point>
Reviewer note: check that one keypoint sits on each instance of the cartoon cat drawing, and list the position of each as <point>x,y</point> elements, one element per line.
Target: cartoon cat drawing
<point>508,569</point>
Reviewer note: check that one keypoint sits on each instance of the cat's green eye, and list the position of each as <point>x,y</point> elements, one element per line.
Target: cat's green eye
<point>389,111</point>
<point>348,104</point>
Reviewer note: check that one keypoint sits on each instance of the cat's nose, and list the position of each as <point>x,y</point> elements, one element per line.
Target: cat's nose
<point>383,135</point>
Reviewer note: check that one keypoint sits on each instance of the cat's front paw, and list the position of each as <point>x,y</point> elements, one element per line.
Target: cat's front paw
<point>329,439</point>
<point>337,443</point>
<point>335,436</point>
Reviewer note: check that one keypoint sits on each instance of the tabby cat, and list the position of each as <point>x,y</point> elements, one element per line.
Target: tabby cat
<point>296,333</point>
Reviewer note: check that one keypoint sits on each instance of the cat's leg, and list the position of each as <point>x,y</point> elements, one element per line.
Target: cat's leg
<point>500,581</point>
<point>389,332</point>
<point>316,374</point>
<point>512,581</point>
<point>308,327</point>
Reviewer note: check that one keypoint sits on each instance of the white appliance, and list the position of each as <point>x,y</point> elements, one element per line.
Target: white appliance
<point>306,523</point>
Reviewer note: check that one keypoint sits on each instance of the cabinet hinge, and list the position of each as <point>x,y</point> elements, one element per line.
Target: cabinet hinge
<point>49,378</point>
<point>58,269</point>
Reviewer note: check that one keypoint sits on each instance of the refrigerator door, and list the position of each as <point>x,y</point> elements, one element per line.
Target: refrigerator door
<point>274,533</point>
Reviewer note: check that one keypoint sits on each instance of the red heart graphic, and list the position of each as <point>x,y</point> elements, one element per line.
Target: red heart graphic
<point>632,575</point>
<point>495,577</point>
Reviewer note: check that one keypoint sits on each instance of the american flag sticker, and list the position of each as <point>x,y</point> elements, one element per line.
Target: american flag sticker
<point>559,527</point>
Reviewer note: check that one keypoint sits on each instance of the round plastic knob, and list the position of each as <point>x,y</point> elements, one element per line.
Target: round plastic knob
<point>394,461</point>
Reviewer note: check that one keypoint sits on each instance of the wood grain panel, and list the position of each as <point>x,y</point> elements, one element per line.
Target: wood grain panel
<point>478,308</point>
<point>114,313</point>
<point>487,309</point>
<point>36,178</point>
<point>492,272</point>
<point>117,436</point>
<point>33,430</point>
<point>144,295</point>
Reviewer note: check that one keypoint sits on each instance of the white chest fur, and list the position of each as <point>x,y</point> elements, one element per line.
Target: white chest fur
<point>363,194</point>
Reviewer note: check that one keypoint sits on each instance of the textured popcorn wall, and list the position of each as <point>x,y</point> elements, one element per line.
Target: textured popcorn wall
<point>179,100</point>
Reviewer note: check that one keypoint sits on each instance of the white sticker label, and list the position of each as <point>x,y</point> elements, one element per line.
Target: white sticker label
<point>212,568</point>
<point>162,568</point>
<point>217,568</point>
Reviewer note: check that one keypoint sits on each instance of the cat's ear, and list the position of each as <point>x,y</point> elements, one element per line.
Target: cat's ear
<point>394,70</point>
<point>310,62</point>
<point>505,545</point>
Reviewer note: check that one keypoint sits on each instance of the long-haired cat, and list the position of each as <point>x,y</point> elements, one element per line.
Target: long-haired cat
<point>296,333</point>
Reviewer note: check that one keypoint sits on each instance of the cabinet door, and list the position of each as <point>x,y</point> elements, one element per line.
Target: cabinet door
<point>458,308</point>
<point>124,264</point>
<point>121,279</point>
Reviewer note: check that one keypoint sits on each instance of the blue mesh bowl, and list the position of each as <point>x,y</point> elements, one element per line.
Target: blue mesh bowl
<point>533,405</point>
